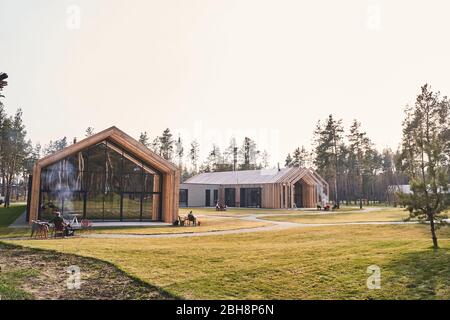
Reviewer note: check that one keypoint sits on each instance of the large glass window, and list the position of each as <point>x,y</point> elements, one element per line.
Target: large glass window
<point>251,197</point>
<point>103,182</point>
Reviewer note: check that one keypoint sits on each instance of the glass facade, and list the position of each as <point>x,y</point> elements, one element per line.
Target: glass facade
<point>103,182</point>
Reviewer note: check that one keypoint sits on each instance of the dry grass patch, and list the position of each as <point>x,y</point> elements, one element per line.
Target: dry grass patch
<point>37,274</point>
<point>342,217</point>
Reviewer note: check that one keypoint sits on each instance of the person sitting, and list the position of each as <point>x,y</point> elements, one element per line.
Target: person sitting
<point>192,218</point>
<point>61,227</point>
<point>59,224</point>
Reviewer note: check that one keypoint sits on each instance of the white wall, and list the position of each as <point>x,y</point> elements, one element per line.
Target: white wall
<point>197,194</point>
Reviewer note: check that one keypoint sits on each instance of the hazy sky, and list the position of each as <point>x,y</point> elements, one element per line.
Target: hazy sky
<point>213,68</point>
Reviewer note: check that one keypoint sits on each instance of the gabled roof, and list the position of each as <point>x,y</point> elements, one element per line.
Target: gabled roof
<point>248,176</point>
<point>120,138</point>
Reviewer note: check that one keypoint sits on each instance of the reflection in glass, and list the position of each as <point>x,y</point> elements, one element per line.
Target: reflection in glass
<point>132,206</point>
<point>151,207</point>
<point>50,201</point>
<point>112,206</point>
<point>103,182</point>
<point>94,205</point>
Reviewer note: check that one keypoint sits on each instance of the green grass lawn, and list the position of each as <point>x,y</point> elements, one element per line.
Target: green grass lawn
<point>208,224</point>
<point>300,263</point>
<point>9,284</point>
<point>342,217</point>
<point>9,215</point>
<point>9,280</point>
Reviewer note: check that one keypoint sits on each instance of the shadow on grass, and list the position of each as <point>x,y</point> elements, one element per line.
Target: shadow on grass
<point>104,280</point>
<point>423,274</point>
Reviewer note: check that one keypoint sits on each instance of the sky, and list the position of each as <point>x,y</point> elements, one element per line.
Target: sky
<point>212,69</point>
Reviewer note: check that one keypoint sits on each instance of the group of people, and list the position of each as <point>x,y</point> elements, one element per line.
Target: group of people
<point>221,207</point>
<point>326,206</point>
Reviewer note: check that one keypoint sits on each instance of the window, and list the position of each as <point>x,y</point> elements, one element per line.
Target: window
<point>251,197</point>
<point>230,197</point>
<point>207,198</point>
<point>216,196</point>
<point>183,197</point>
<point>102,182</point>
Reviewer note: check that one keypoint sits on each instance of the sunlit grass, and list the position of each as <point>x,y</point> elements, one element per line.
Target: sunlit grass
<point>300,263</point>
<point>207,224</point>
<point>9,215</point>
<point>338,217</point>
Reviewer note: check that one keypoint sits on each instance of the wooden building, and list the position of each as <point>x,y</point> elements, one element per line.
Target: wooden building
<point>274,188</point>
<point>107,176</point>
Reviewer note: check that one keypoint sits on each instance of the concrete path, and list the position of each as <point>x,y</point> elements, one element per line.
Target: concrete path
<point>21,221</point>
<point>273,226</point>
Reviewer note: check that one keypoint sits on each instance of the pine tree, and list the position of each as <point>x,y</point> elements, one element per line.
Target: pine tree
<point>3,83</point>
<point>248,154</point>
<point>144,139</point>
<point>359,146</point>
<point>179,151</point>
<point>89,132</point>
<point>426,158</point>
<point>166,144</point>
<point>300,157</point>
<point>328,139</point>
<point>231,155</point>
<point>194,155</point>
<point>264,163</point>
<point>155,146</point>
<point>15,151</point>
<point>214,159</point>
<point>288,161</point>
<point>54,146</point>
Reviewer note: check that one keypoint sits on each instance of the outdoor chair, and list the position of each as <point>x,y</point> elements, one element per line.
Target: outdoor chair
<point>221,207</point>
<point>59,229</point>
<point>86,224</point>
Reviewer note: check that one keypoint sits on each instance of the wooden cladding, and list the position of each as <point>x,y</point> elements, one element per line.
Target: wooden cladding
<point>282,194</point>
<point>169,172</point>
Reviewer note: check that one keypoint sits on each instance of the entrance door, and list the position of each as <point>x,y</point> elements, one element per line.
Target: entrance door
<point>207,198</point>
<point>216,196</point>
<point>298,195</point>
<point>230,197</point>
<point>251,197</point>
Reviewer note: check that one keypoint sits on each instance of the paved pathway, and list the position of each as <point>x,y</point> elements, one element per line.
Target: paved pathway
<point>273,226</point>
<point>20,222</point>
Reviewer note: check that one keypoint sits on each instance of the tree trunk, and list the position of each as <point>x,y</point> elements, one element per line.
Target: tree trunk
<point>433,232</point>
